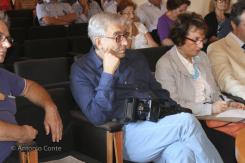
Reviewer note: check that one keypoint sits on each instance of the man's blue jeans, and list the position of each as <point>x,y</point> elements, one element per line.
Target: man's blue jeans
<point>177,138</point>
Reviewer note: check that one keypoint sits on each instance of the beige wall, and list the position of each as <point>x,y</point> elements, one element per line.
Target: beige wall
<point>198,6</point>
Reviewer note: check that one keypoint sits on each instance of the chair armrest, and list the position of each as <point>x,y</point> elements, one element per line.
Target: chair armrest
<point>111,126</point>
<point>240,146</point>
<point>235,98</point>
<point>27,147</point>
<point>28,152</point>
<point>73,54</point>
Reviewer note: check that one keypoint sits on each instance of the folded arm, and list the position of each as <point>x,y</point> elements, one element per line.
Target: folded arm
<point>59,20</point>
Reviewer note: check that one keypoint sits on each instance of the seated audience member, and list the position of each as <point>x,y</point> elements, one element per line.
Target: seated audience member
<point>140,36</point>
<point>12,85</point>
<point>225,28</point>
<point>68,1</point>
<point>227,55</point>
<point>110,5</point>
<point>5,5</point>
<point>52,12</point>
<point>186,73</point>
<point>148,13</point>
<point>166,21</point>
<point>85,9</point>
<point>216,19</point>
<point>25,4</point>
<point>101,81</point>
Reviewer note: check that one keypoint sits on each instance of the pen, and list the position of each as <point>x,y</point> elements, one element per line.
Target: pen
<point>222,98</point>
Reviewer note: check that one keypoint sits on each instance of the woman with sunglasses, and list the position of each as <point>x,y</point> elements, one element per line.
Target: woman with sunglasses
<point>140,37</point>
<point>216,18</point>
<point>186,73</point>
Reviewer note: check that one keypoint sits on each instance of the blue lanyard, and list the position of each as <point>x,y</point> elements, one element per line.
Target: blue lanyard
<point>195,66</point>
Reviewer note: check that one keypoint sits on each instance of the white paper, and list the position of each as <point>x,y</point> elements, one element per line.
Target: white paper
<point>234,113</point>
<point>68,159</point>
<point>231,115</point>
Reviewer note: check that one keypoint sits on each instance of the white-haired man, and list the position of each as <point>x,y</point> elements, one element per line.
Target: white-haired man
<point>105,77</point>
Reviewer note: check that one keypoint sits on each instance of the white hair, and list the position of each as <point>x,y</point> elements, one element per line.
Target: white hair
<point>4,18</point>
<point>101,22</point>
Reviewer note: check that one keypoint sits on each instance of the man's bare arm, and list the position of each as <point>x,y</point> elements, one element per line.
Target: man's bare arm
<point>39,96</point>
<point>13,132</point>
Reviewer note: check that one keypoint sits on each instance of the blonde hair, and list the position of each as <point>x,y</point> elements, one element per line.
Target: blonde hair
<point>212,5</point>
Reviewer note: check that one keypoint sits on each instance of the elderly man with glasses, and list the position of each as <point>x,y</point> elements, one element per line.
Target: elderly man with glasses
<point>12,85</point>
<point>101,81</point>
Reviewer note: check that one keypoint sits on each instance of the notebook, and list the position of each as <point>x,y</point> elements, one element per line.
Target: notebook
<point>230,115</point>
<point>68,159</point>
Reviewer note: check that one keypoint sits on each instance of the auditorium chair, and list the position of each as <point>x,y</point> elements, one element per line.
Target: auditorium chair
<point>152,54</point>
<point>21,22</point>
<point>80,29</point>
<point>94,141</point>
<point>31,114</point>
<point>240,146</point>
<point>27,13</point>
<point>46,48</point>
<point>79,44</point>
<point>19,34</point>
<point>49,72</point>
<point>44,32</point>
<point>104,142</point>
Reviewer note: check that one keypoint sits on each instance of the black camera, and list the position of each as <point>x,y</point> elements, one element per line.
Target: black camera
<point>149,109</point>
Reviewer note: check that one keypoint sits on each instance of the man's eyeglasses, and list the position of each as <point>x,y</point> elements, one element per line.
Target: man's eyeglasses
<point>197,42</point>
<point>4,38</point>
<point>119,37</point>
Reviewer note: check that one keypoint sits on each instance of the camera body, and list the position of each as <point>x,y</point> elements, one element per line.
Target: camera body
<point>149,109</point>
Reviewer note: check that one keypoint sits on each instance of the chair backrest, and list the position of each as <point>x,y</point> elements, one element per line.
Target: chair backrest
<point>28,152</point>
<point>153,54</point>
<point>155,36</point>
<point>18,34</point>
<point>81,44</point>
<point>27,13</point>
<point>28,113</point>
<point>46,48</point>
<point>49,72</point>
<point>21,22</point>
<point>43,32</point>
<point>78,29</point>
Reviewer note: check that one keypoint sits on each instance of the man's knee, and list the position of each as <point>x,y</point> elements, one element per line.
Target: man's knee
<point>188,118</point>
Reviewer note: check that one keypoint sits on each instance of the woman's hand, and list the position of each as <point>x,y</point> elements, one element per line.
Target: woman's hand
<point>219,106</point>
<point>236,105</point>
